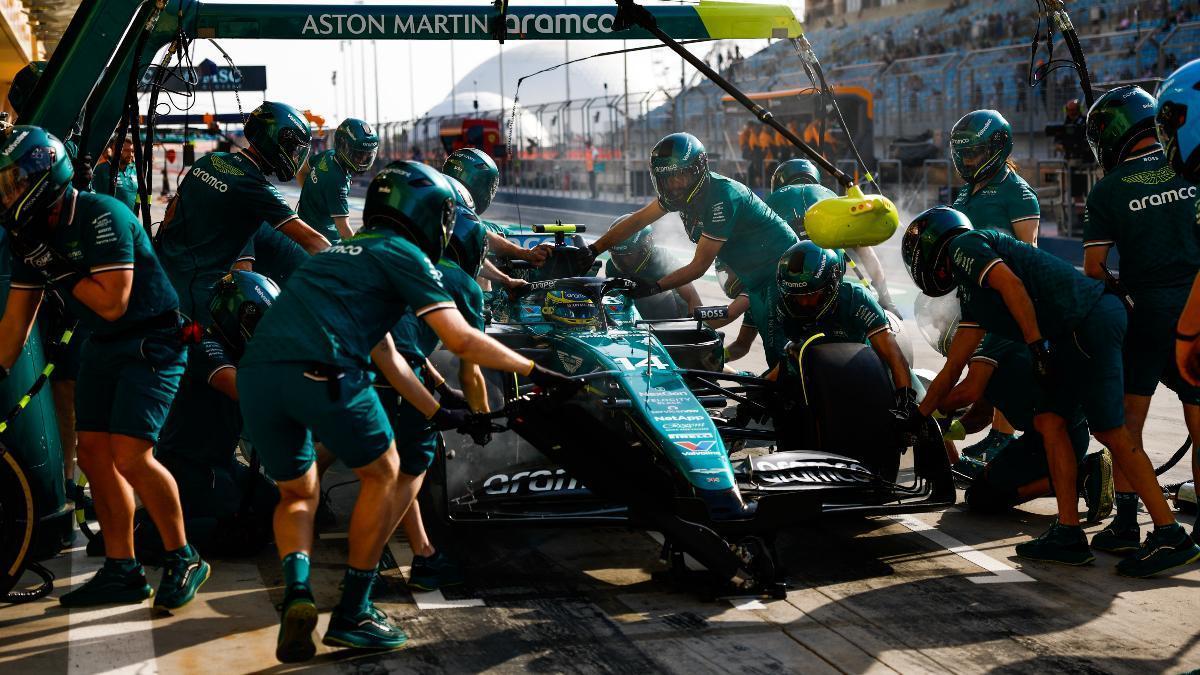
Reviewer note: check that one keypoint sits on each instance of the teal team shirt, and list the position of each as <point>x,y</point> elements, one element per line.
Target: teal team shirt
<point>325,194</point>
<point>127,189</point>
<point>1149,214</point>
<point>1005,200</point>
<point>415,338</point>
<point>273,254</point>
<point>855,317</point>
<point>1061,296</point>
<point>218,207</point>
<point>754,236</point>
<point>100,235</point>
<point>340,304</point>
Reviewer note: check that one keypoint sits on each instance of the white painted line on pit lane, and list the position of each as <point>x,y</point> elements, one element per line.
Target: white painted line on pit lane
<point>1001,572</point>
<point>426,600</point>
<point>96,643</point>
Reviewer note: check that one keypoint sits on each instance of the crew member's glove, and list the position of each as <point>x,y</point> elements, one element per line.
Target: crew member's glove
<point>479,428</point>
<point>1043,363</point>
<point>554,382</point>
<point>582,259</point>
<point>448,420</point>
<point>645,289</point>
<point>53,265</point>
<point>908,418</point>
<point>83,173</point>
<point>537,255</point>
<point>450,397</point>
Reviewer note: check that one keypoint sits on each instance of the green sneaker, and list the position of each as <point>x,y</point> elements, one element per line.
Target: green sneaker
<point>1098,491</point>
<point>1065,544</point>
<point>434,572</point>
<point>1165,548</point>
<point>296,624</point>
<point>182,578</point>
<point>986,449</point>
<point>1117,538</point>
<point>369,629</point>
<point>111,585</point>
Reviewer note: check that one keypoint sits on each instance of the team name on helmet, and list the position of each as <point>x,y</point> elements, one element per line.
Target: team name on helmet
<point>1161,198</point>
<point>210,180</point>
<point>15,142</point>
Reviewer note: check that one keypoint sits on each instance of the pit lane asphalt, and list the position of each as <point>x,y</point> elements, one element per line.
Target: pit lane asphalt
<point>865,595</point>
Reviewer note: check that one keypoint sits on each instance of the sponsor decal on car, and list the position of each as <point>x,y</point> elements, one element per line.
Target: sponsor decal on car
<point>698,448</point>
<point>541,480</point>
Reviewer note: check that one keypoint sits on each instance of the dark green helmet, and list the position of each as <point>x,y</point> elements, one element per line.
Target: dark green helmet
<point>279,134</point>
<point>1117,121</point>
<point>35,171</point>
<point>414,200</point>
<point>468,238</point>
<point>679,167</point>
<point>924,248</point>
<point>795,172</point>
<point>476,170</point>
<point>356,145</point>
<point>980,144</point>
<point>22,85</point>
<point>808,277</point>
<point>238,303</point>
<point>639,245</point>
<point>791,202</point>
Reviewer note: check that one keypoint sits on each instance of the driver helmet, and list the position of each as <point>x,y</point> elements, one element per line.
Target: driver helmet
<point>791,202</point>
<point>1178,132</point>
<point>416,201</point>
<point>637,249</point>
<point>980,144</point>
<point>679,167</point>
<point>938,320</point>
<point>476,170</point>
<point>572,309</point>
<point>239,301</point>
<point>730,283</point>
<point>808,277</point>
<point>1117,121</point>
<point>279,134</point>
<point>35,172</point>
<point>924,248</point>
<point>356,145</point>
<point>795,172</point>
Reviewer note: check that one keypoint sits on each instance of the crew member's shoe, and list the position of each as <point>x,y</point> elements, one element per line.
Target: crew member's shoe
<point>1165,548</point>
<point>183,575</point>
<point>1118,538</point>
<point>1064,544</point>
<point>117,582</point>
<point>368,629</point>
<point>1098,491</point>
<point>433,572</point>
<point>986,449</point>
<point>296,623</point>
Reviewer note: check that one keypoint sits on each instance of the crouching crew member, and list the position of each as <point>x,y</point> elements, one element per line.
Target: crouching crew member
<point>1148,213</point>
<point>306,372</point>
<point>637,258</point>
<point>725,220</point>
<point>92,251</point>
<point>1074,333</point>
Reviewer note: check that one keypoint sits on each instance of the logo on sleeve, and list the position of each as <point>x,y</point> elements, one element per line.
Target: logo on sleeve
<point>963,261</point>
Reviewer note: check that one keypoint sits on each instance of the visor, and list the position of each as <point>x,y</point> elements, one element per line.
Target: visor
<point>449,215</point>
<point>293,146</point>
<point>17,180</point>
<point>729,282</point>
<point>676,187</point>
<point>807,305</point>
<point>971,158</point>
<point>361,160</point>
<point>14,183</point>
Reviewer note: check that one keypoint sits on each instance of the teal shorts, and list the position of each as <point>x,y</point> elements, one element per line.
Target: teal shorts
<point>1150,346</point>
<point>283,406</point>
<point>416,439</point>
<point>126,386</point>
<point>1089,364</point>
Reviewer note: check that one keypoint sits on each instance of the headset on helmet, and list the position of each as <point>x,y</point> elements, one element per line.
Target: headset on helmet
<point>356,145</point>
<point>924,248</point>
<point>476,170</point>
<point>35,172</point>
<point>569,308</point>
<point>791,202</point>
<point>679,167</point>
<point>1178,120</point>
<point>1117,121</point>
<point>414,200</point>
<point>808,277</point>
<point>279,134</point>
<point>238,303</point>
<point>795,172</point>
<point>980,143</point>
